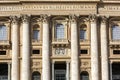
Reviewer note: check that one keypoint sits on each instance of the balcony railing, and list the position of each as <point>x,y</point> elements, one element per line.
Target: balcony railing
<point>114,42</point>
<point>4,42</point>
<point>36,42</point>
<point>60,41</point>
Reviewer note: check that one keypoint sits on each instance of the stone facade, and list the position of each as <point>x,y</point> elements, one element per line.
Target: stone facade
<point>89,58</point>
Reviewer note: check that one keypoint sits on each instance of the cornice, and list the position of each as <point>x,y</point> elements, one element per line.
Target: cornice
<point>27,1</point>
<point>53,1</point>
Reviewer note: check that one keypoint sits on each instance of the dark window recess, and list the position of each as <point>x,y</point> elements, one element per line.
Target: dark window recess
<point>83,51</point>
<point>116,51</point>
<point>2,52</point>
<point>36,51</point>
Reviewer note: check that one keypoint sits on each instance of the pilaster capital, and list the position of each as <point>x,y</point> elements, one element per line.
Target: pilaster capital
<point>104,19</point>
<point>92,17</point>
<point>73,18</point>
<point>25,18</point>
<point>14,19</point>
<point>45,18</point>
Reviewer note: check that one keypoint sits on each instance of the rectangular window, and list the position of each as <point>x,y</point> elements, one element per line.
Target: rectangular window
<point>2,52</point>
<point>83,34</point>
<point>36,34</point>
<point>59,31</point>
<point>116,32</point>
<point>83,51</point>
<point>116,51</point>
<point>3,32</point>
<point>36,52</point>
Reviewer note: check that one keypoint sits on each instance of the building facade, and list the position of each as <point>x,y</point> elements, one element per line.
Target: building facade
<point>59,40</point>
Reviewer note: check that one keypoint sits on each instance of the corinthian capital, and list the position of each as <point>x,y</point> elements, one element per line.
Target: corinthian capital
<point>73,18</point>
<point>104,19</point>
<point>14,19</point>
<point>25,18</point>
<point>45,18</point>
<point>92,17</point>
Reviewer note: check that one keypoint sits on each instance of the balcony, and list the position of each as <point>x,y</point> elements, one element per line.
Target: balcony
<point>114,42</point>
<point>84,42</point>
<point>4,44</point>
<point>60,42</point>
<point>36,42</point>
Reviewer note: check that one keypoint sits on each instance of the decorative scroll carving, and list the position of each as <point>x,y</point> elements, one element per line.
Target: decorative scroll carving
<point>14,19</point>
<point>73,18</point>
<point>25,18</point>
<point>92,17</point>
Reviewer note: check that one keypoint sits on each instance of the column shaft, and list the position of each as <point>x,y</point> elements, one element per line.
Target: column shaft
<point>110,71</point>
<point>9,71</point>
<point>26,49</point>
<point>94,50</point>
<point>53,72</point>
<point>104,51</point>
<point>45,51</point>
<point>74,51</point>
<point>67,71</point>
<point>15,49</point>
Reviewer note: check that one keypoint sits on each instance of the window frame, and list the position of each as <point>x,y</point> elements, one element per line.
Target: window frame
<point>112,22</point>
<point>40,32</point>
<point>60,21</point>
<point>8,27</point>
<point>56,32</point>
<point>114,34</point>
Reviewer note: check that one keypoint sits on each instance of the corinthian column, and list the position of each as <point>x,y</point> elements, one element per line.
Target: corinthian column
<point>15,48</point>
<point>26,49</point>
<point>74,49</point>
<point>94,49</point>
<point>104,50</point>
<point>45,50</point>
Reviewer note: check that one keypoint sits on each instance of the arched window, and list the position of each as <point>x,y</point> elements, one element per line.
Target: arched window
<point>116,32</point>
<point>59,31</point>
<point>84,75</point>
<point>36,75</point>
<point>3,32</point>
<point>36,32</point>
<point>83,32</point>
